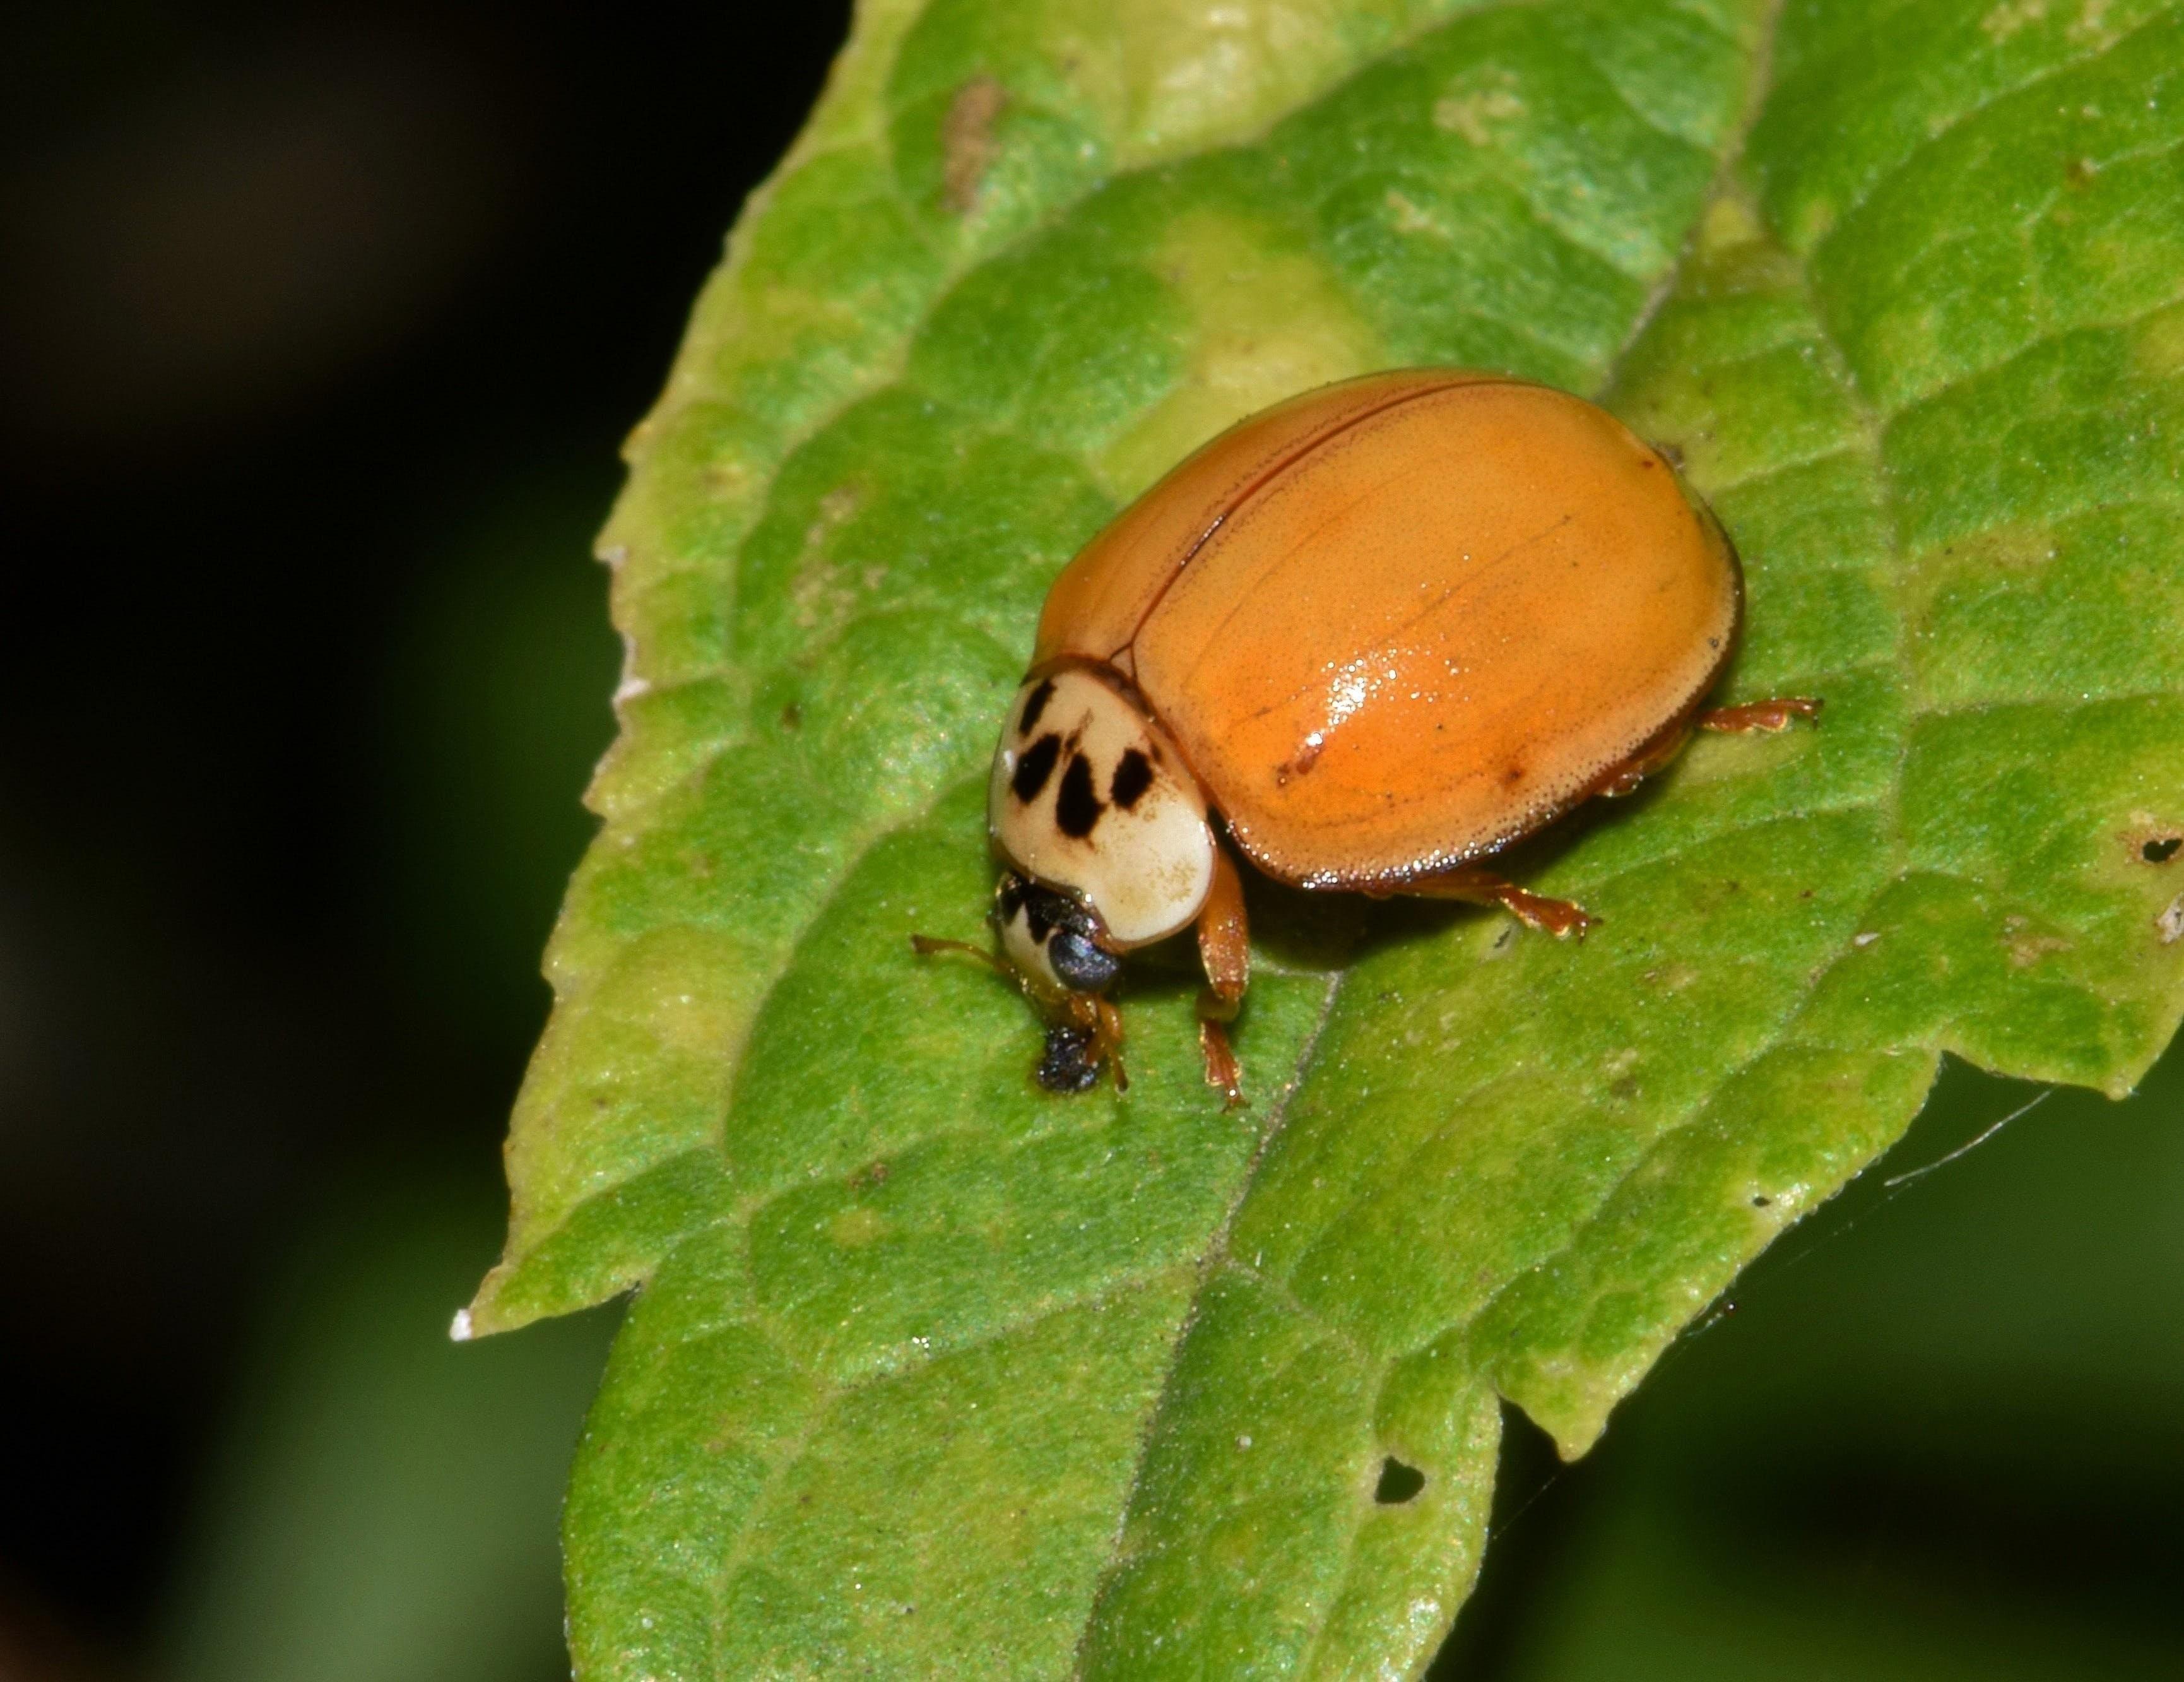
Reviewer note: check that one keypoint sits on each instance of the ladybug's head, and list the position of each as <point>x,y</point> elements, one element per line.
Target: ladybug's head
<point>1053,939</point>
<point>1102,827</point>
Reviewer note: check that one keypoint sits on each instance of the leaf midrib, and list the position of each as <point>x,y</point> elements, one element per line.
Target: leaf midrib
<point>1218,1253</point>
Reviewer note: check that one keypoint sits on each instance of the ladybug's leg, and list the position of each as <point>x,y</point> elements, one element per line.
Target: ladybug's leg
<point>1558,917</point>
<point>1625,778</point>
<point>1107,1037</point>
<point>1224,947</point>
<point>1753,718</point>
<point>1756,718</point>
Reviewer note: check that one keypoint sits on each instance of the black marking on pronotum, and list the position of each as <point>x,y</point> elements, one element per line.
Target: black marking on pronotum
<point>1077,808</point>
<point>1034,705</point>
<point>1015,892</point>
<point>1045,911</point>
<point>1042,907</point>
<point>1036,765</point>
<point>1132,776</point>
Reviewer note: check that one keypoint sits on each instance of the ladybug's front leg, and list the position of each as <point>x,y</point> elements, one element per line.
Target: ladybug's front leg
<point>1224,947</point>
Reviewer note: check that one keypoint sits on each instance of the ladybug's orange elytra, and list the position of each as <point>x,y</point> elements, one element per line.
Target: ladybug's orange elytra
<point>1384,630</point>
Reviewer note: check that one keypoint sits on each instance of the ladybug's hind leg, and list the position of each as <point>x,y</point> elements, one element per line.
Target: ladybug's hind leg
<point>1224,947</point>
<point>1481,887</point>
<point>1753,718</point>
<point>1762,718</point>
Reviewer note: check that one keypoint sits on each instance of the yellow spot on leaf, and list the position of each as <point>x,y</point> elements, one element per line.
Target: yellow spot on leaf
<point>1814,223</point>
<point>1729,223</point>
<point>2160,348</point>
<point>855,1228</point>
<point>1482,114</point>
<point>821,591</point>
<point>2091,22</point>
<point>1266,324</point>
<point>1410,219</point>
<point>1189,74</point>
<point>2011,16</point>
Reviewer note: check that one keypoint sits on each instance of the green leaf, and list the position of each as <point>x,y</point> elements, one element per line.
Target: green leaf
<point>933,1375</point>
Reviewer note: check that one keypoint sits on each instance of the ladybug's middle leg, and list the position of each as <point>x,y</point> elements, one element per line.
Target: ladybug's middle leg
<point>1481,887</point>
<point>1225,947</point>
<point>1618,781</point>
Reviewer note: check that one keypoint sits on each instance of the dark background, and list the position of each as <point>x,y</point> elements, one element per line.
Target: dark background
<point>319,330</point>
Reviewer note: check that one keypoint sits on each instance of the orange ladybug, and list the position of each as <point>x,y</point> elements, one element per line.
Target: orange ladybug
<point>1382,630</point>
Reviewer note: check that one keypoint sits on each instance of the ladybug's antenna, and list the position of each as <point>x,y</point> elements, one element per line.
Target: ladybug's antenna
<point>927,945</point>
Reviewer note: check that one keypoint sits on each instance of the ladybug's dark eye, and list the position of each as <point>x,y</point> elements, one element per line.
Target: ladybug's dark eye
<point>1081,966</point>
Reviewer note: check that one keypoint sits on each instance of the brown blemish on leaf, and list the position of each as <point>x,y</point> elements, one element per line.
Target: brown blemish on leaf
<point>2169,924</point>
<point>967,140</point>
<point>2025,947</point>
<point>2149,841</point>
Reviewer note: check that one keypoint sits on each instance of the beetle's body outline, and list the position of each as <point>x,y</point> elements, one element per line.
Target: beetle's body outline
<point>1384,631</point>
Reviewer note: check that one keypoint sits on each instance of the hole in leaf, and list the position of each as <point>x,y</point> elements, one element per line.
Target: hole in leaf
<point>2161,849</point>
<point>1398,1482</point>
